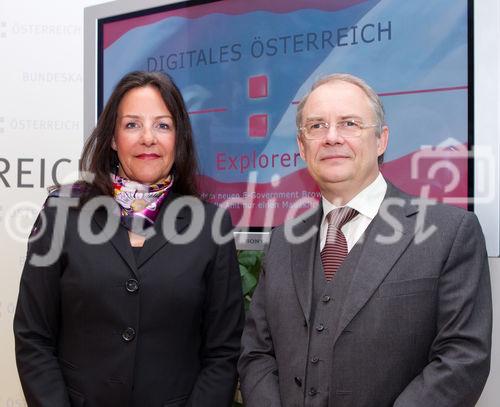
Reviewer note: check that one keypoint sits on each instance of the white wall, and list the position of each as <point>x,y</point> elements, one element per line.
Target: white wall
<point>491,393</point>
<point>487,133</point>
<point>41,118</point>
<point>41,111</point>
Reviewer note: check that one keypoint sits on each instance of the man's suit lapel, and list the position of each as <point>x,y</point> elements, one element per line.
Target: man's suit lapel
<point>302,257</point>
<point>378,257</point>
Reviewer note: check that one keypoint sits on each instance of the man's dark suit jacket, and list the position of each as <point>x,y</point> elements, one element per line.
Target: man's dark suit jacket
<point>414,327</point>
<point>99,329</point>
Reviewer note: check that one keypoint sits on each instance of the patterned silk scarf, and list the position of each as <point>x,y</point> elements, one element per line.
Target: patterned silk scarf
<point>137,200</point>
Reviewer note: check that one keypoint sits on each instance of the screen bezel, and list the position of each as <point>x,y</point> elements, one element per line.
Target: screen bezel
<point>129,9</point>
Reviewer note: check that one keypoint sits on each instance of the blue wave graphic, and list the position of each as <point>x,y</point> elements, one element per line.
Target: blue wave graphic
<point>383,48</point>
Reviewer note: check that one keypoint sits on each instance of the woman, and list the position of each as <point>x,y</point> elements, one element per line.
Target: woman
<point>127,315</point>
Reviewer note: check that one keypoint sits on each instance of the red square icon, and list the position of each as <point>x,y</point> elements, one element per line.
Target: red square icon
<point>257,125</point>
<point>257,87</point>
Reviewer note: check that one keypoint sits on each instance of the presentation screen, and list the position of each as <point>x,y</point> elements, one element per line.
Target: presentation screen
<point>243,66</point>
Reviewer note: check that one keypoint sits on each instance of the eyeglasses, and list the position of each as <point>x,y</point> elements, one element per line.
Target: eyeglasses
<point>345,129</point>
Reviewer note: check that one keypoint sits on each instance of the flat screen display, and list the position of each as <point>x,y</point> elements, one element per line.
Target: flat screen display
<point>242,67</point>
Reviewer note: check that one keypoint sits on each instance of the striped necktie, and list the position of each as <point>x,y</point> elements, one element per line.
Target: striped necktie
<point>335,250</point>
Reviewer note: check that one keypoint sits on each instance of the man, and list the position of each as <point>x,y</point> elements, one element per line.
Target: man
<point>388,303</point>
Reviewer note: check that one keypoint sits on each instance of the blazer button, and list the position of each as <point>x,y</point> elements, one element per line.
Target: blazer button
<point>128,334</point>
<point>312,391</point>
<point>314,359</point>
<point>320,327</point>
<point>326,298</point>
<point>132,285</point>
<point>298,381</point>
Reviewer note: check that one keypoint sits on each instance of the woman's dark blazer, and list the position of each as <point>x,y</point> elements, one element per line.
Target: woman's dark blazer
<point>97,328</point>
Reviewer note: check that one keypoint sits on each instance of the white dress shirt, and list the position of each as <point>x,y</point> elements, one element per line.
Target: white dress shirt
<point>367,203</point>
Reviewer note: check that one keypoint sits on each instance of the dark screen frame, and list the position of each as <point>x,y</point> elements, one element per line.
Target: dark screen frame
<point>192,3</point>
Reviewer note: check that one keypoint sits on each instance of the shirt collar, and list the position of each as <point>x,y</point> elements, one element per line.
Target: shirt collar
<point>367,202</point>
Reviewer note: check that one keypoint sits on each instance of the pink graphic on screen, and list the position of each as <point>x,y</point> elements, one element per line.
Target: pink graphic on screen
<point>243,81</point>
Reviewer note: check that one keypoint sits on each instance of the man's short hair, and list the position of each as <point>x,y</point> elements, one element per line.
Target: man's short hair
<point>374,100</point>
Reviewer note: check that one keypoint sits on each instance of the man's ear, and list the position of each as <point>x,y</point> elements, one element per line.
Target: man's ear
<point>300,144</point>
<point>382,141</point>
